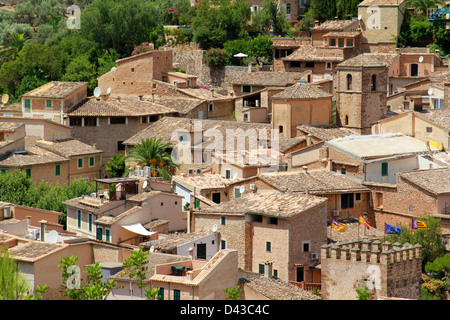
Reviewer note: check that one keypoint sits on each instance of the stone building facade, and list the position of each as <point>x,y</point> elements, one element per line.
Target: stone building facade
<point>389,270</point>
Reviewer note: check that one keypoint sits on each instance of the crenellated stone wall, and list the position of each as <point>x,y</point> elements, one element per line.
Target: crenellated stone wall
<point>389,270</point>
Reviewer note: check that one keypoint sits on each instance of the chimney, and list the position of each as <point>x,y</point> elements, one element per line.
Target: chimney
<point>316,23</point>
<point>29,220</point>
<point>140,97</point>
<point>305,169</point>
<point>308,140</point>
<point>249,70</point>
<point>43,222</point>
<point>153,97</point>
<point>191,253</point>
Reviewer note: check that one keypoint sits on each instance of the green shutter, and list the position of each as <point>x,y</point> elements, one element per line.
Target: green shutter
<point>4,171</point>
<point>28,172</point>
<point>48,103</point>
<point>237,193</point>
<point>79,218</point>
<point>107,234</point>
<point>384,169</point>
<point>222,220</point>
<point>57,169</point>
<point>261,268</point>
<point>99,233</point>
<point>91,161</point>
<point>268,246</point>
<point>80,163</point>
<point>27,105</point>
<point>90,221</point>
<point>222,244</point>
<point>161,294</point>
<point>176,294</point>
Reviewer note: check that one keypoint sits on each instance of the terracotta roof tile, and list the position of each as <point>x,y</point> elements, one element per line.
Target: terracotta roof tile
<point>381,3</point>
<point>439,116</point>
<point>370,60</point>
<point>336,25</point>
<point>33,155</point>
<point>55,90</point>
<point>276,204</point>
<point>33,250</point>
<point>325,133</point>
<point>122,107</point>
<point>267,78</point>
<point>68,147</point>
<point>10,126</point>
<point>313,53</point>
<point>434,180</point>
<point>203,181</point>
<point>172,241</point>
<point>302,91</point>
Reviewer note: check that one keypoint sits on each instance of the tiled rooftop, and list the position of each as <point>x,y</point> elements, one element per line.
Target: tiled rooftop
<point>313,181</point>
<point>351,232</point>
<point>381,2</point>
<point>267,78</point>
<point>302,91</point>
<point>276,289</point>
<point>370,60</point>
<point>325,133</point>
<point>54,90</point>
<point>336,25</point>
<point>123,107</point>
<point>33,250</point>
<point>68,147</point>
<point>439,116</point>
<point>172,241</point>
<point>312,53</point>
<point>32,155</point>
<point>276,204</point>
<point>203,181</point>
<point>434,180</point>
<point>179,104</point>
<point>10,126</point>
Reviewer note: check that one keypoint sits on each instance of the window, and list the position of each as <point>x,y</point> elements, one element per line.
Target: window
<point>228,174</point>
<point>280,129</point>
<point>120,146</point>
<point>27,105</point>
<point>28,172</point>
<point>75,122</point>
<point>275,273</point>
<point>246,89</point>
<point>328,66</point>
<point>346,200</point>
<point>99,233</point>
<point>222,244</point>
<point>108,234</point>
<point>268,246</point>
<point>341,43</point>
<point>288,8</point>
<point>349,42</point>
<point>349,82</point>
<point>79,218</point>
<point>373,85</point>
<point>384,169</point>
<point>90,122</point>
<point>332,42</point>
<point>237,193</point>
<point>144,119</point>
<point>132,69</point>
<point>261,269</point>
<point>222,221</point>
<point>211,107</point>
<point>414,70</point>
<point>90,222</point>
<point>272,220</point>
<point>48,103</point>
<point>411,207</point>
<point>309,64</point>
<point>305,246</point>
<point>91,161</point>
<point>57,170</point>
<point>117,120</point>
<point>161,294</point>
<point>295,64</point>
<point>80,163</point>
<point>4,171</point>
<point>429,129</point>
<point>358,196</point>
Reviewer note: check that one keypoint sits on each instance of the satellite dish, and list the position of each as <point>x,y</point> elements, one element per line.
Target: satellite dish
<point>145,184</point>
<point>52,236</point>
<point>97,92</point>
<point>421,59</point>
<point>430,91</point>
<point>5,98</point>
<point>152,249</point>
<point>242,189</point>
<point>214,228</point>
<point>108,91</point>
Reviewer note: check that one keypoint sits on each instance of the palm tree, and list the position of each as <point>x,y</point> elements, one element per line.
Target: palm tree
<point>153,153</point>
<point>421,6</point>
<point>12,47</point>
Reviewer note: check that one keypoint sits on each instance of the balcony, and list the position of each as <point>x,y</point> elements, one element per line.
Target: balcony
<point>307,286</point>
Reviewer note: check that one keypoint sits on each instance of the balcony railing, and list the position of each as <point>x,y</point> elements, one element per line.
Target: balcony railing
<point>307,286</point>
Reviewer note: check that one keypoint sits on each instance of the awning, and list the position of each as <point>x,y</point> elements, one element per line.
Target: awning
<point>138,228</point>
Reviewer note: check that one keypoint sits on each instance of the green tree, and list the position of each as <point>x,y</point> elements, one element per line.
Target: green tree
<point>216,21</point>
<point>346,9</point>
<point>421,6</point>
<point>363,294</point>
<point>440,269</point>
<point>233,293</point>
<point>323,10</point>
<point>12,284</point>
<point>430,239</point>
<point>80,69</point>
<point>72,287</point>
<point>153,153</point>
<point>270,19</point>
<point>13,45</point>
<point>116,166</point>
